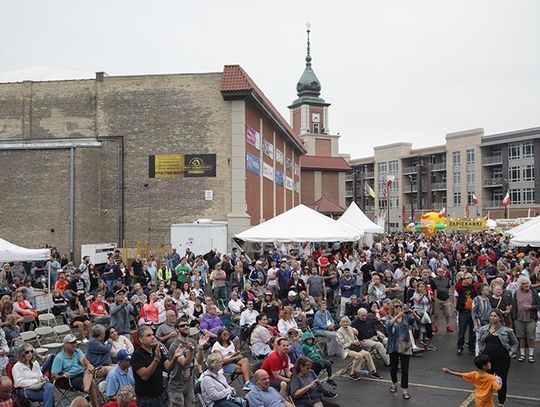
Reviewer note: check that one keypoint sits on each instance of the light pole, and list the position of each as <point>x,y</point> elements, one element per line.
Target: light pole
<point>412,199</point>
<point>363,189</point>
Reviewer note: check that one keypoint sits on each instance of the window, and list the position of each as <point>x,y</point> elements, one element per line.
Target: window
<point>527,150</point>
<point>457,179</point>
<point>470,197</point>
<point>316,128</point>
<point>443,198</point>
<point>515,196</point>
<point>456,158</point>
<point>497,197</point>
<point>527,196</point>
<point>393,167</point>
<point>470,156</point>
<point>470,178</point>
<point>528,173</point>
<point>513,151</point>
<point>514,174</point>
<point>496,173</point>
<point>381,174</point>
<point>457,199</point>
<point>394,202</point>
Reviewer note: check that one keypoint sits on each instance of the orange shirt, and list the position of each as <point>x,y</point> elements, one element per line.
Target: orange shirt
<point>61,285</point>
<point>485,385</point>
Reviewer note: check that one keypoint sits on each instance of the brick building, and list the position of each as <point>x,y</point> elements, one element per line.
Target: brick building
<point>120,158</point>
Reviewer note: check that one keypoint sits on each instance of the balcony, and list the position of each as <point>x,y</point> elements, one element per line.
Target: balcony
<point>438,186</point>
<point>349,193</point>
<point>410,170</point>
<point>348,177</point>
<point>369,175</point>
<point>437,206</point>
<point>492,160</point>
<point>493,204</point>
<point>407,190</point>
<point>370,208</point>
<point>438,167</point>
<point>493,182</point>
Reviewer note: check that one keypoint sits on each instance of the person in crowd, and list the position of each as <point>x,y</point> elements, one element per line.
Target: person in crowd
<point>72,365</point>
<point>263,394</point>
<point>29,380</point>
<point>502,302</point>
<point>121,375</point>
<point>77,288</point>
<point>296,284</point>
<point>422,301</point>
<point>485,384</point>
<point>392,288</point>
<point>352,348</point>
<point>12,330</point>
<point>525,307</point>
<point>235,306</point>
<point>500,344</point>
<point>347,285</point>
<point>261,336</point>
<point>59,303</point>
<point>79,319</point>
<point>324,325</point>
<point>442,300</point>
<point>481,308</point>
<point>270,307</point>
<point>277,366</point>
<point>98,310</point>
<point>218,277</point>
<point>465,294</point>
<point>151,308</point>
<point>215,390</point>
<point>181,378</point>
<point>310,350</point>
<point>166,332</point>
<point>306,388</point>
<point>249,315</point>
<point>376,290</point>
<point>211,323</point>
<point>286,321</point>
<point>196,311</point>
<point>99,351</point>
<point>233,360</point>
<point>149,363</point>
<point>118,342</point>
<point>352,307</point>
<point>120,312</point>
<point>370,339</point>
<point>399,346</point>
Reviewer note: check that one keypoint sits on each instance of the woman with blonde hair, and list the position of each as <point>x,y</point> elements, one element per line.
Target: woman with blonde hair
<point>351,348</point>
<point>27,377</point>
<point>286,321</point>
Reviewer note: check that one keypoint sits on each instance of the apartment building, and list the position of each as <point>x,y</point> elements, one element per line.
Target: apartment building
<point>469,164</point>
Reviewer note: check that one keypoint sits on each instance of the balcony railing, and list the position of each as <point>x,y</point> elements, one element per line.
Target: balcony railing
<point>407,189</point>
<point>493,182</point>
<point>348,177</point>
<point>438,206</point>
<point>370,208</point>
<point>410,170</point>
<point>493,204</point>
<point>438,186</point>
<point>369,175</point>
<point>494,159</point>
<point>439,167</point>
<point>348,193</point>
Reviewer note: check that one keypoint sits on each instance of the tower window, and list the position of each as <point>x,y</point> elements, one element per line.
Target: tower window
<point>316,128</point>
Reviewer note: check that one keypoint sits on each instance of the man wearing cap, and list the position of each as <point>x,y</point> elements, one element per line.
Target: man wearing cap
<point>292,300</point>
<point>283,275</point>
<point>181,378</point>
<point>121,311</point>
<point>121,375</point>
<point>71,364</point>
<point>77,288</point>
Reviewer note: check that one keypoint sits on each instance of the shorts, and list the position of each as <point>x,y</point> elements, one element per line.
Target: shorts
<point>525,329</point>
<point>445,306</point>
<point>77,382</point>
<point>229,368</point>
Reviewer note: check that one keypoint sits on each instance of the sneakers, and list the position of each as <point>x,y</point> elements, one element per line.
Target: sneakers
<point>521,358</point>
<point>85,340</point>
<point>459,352</point>
<point>531,359</point>
<point>355,376</point>
<point>329,395</point>
<point>364,373</point>
<point>416,349</point>
<point>248,386</point>
<point>331,382</point>
<point>449,329</point>
<point>432,348</point>
<point>376,375</point>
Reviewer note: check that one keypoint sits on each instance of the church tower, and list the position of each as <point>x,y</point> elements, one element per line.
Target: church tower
<point>323,169</point>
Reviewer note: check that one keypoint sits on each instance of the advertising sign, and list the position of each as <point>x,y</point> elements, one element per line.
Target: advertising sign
<point>253,137</point>
<point>253,164</point>
<point>466,224</point>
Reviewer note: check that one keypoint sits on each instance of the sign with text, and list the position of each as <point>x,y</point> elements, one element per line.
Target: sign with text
<point>171,166</point>
<point>268,171</point>
<point>253,137</point>
<point>466,224</point>
<point>253,164</point>
<point>268,149</point>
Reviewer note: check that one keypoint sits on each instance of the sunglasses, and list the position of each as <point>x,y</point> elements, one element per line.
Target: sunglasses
<point>183,326</point>
<point>26,352</point>
<point>397,306</point>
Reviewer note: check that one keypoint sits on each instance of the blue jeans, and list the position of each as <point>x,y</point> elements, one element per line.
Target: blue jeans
<point>465,320</point>
<point>220,293</point>
<point>45,395</point>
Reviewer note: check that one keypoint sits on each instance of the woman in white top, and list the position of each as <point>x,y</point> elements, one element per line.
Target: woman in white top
<point>233,360</point>
<point>28,378</point>
<point>286,321</point>
<point>117,341</point>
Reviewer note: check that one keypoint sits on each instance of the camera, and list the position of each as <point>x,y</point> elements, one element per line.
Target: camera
<point>406,309</point>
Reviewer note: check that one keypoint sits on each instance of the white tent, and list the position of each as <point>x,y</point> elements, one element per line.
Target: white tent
<point>524,226</point>
<point>11,252</point>
<point>354,217</point>
<point>300,224</point>
<point>529,236</point>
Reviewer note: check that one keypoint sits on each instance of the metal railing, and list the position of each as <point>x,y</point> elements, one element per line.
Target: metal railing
<point>439,166</point>
<point>437,186</point>
<point>493,182</point>
<point>493,204</point>
<point>494,159</point>
<point>410,170</point>
<point>348,177</point>
<point>369,175</point>
<point>349,193</point>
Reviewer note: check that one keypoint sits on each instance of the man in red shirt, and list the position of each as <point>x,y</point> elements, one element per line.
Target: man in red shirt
<point>276,365</point>
<point>98,309</point>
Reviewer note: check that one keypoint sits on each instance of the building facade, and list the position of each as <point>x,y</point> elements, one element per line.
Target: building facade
<point>119,159</point>
<point>469,165</point>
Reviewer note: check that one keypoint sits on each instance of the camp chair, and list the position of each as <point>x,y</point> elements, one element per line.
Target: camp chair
<point>66,392</point>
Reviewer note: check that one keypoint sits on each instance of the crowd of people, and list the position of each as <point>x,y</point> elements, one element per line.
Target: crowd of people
<point>158,332</point>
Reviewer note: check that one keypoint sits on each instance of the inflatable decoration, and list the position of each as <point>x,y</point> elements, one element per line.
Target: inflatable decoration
<point>430,223</point>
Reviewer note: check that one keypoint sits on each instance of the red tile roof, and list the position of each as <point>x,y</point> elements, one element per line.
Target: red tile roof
<point>315,162</point>
<point>325,205</point>
<point>236,80</point>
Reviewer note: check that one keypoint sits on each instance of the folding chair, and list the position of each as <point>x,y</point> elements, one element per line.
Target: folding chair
<point>61,331</point>
<point>320,341</point>
<point>32,338</point>
<point>47,338</point>
<point>47,319</point>
<point>66,391</point>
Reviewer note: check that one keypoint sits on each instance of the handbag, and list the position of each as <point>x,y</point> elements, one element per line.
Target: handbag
<point>37,386</point>
<point>425,318</point>
<point>404,348</point>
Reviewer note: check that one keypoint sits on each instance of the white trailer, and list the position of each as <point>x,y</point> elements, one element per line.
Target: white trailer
<point>97,252</point>
<point>201,236</point>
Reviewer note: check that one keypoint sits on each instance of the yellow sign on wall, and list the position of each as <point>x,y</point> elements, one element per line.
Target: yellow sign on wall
<point>466,223</point>
<point>169,166</point>
<point>173,166</point>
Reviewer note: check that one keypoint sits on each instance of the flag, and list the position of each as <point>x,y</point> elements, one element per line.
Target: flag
<point>467,210</point>
<point>506,201</point>
<point>529,213</point>
<point>474,200</point>
<point>389,180</point>
<point>442,213</point>
<point>488,215</point>
<point>369,190</point>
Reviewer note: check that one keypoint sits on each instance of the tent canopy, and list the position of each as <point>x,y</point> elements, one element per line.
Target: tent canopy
<point>524,226</point>
<point>527,236</point>
<point>12,252</point>
<point>354,217</point>
<point>300,224</point>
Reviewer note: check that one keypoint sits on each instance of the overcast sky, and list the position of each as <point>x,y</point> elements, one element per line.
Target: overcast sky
<point>394,70</point>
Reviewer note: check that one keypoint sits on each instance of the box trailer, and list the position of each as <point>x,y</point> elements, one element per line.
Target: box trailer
<point>201,236</point>
<point>97,252</point>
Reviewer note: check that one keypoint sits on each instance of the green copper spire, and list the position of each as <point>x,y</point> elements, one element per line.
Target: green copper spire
<point>308,87</point>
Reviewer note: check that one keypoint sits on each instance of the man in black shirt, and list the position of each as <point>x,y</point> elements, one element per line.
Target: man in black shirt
<point>368,335</point>
<point>148,364</point>
<point>78,288</point>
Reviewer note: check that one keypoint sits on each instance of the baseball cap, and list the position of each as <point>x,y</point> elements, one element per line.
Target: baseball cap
<point>69,338</point>
<point>123,355</point>
<point>292,293</point>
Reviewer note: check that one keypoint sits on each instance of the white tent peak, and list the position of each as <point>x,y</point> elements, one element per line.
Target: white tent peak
<point>12,252</point>
<point>354,217</point>
<point>301,224</point>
